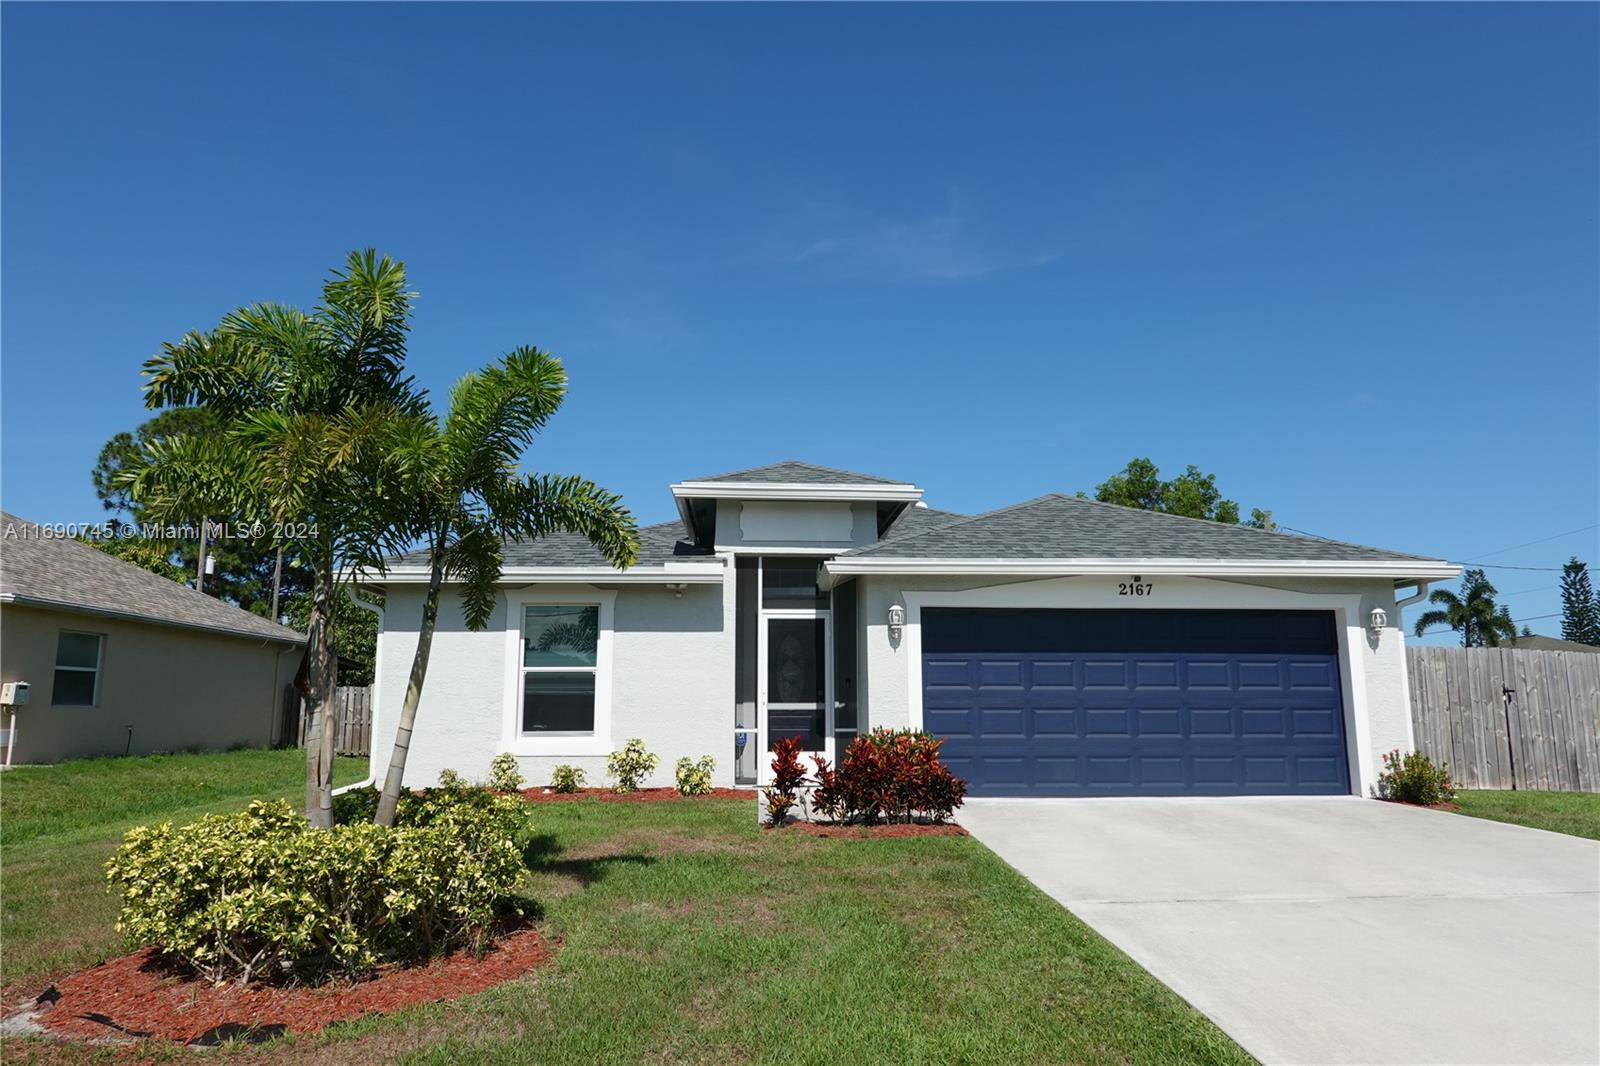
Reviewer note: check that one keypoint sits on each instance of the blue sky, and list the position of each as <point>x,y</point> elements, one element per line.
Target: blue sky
<point>1343,256</point>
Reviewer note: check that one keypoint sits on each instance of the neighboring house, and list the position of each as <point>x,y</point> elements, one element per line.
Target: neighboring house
<point>1060,646</point>
<point>1540,642</point>
<point>121,660</point>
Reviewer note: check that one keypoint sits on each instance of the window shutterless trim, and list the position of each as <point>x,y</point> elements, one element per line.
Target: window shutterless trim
<point>99,664</point>
<point>557,744</point>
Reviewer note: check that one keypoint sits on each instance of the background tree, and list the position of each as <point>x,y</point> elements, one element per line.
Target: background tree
<point>462,497</point>
<point>1580,609</point>
<point>1473,613</point>
<point>309,403</point>
<point>1192,494</point>
<point>244,570</point>
<point>147,553</point>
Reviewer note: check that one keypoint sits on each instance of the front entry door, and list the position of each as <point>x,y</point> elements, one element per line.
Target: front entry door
<point>796,683</point>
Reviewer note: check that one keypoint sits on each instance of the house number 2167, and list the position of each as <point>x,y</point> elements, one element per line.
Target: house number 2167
<point>1135,588</point>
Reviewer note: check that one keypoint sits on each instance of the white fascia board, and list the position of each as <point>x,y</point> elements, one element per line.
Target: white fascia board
<point>671,574</point>
<point>768,490</point>
<point>1398,570</point>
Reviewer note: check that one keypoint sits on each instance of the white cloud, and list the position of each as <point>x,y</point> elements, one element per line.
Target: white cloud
<point>950,245</point>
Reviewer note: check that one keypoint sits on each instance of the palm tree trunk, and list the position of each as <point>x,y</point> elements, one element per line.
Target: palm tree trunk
<point>320,681</point>
<point>392,782</point>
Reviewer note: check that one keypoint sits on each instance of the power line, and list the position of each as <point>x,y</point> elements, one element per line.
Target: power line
<point>1541,540</point>
<point>1507,566</point>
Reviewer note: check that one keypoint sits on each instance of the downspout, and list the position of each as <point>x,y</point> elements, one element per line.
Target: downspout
<point>371,779</point>
<point>1422,591</point>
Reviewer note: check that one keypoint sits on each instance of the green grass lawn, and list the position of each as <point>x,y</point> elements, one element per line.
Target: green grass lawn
<point>59,824</point>
<point>689,935</point>
<point>1574,813</point>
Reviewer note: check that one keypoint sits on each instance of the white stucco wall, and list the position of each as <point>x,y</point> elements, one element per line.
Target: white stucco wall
<point>1377,698</point>
<point>671,684</point>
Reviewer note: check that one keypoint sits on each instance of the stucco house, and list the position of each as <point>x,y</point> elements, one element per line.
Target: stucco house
<point>119,660</point>
<point>1062,647</point>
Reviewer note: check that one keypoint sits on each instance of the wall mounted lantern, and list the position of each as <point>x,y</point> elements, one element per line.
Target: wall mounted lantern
<point>1377,622</point>
<point>897,621</point>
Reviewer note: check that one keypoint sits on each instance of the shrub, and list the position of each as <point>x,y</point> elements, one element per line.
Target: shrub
<point>1413,778</point>
<point>631,765</point>
<point>449,778</point>
<point>504,775</point>
<point>566,779</point>
<point>888,775</point>
<point>788,776</point>
<point>259,892</point>
<point>694,778</point>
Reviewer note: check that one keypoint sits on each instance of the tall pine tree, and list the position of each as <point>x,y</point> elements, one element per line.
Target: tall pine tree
<point>1580,610</point>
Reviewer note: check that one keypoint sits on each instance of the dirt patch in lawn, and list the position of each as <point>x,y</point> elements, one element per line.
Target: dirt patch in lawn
<point>899,829</point>
<point>642,795</point>
<point>138,996</point>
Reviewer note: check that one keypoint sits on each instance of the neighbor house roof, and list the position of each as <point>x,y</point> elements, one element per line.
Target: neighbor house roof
<point>1540,642</point>
<point>793,472</point>
<point>42,570</point>
<point>1058,527</point>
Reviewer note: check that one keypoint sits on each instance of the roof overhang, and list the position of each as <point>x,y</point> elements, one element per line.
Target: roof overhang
<point>1402,572</point>
<point>43,603</point>
<point>683,492</point>
<point>709,573</point>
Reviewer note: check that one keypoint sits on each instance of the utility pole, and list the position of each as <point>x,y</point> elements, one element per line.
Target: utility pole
<point>277,583</point>
<point>200,566</point>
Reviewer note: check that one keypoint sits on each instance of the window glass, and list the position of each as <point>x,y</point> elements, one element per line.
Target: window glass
<point>73,688</point>
<point>77,668</point>
<point>557,702</point>
<point>791,582</point>
<point>556,635</point>
<point>78,649</point>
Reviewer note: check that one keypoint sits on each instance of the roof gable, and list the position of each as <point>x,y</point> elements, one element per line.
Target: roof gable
<point>59,572</point>
<point>1066,527</point>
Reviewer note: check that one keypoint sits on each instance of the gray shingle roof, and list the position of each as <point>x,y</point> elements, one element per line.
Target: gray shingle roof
<point>1064,527</point>
<point>657,544</point>
<point>59,572</point>
<point>793,472</point>
<point>914,520</point>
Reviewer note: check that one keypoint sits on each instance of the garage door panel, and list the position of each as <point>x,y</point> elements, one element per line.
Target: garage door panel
<point>1023,718</point>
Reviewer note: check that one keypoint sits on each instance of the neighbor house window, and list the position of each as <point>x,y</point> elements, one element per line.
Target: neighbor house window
<point>77,680</point>
<point>559,646</point>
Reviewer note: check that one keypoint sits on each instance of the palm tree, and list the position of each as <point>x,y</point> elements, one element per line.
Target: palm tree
<point>462,497</point>
<point>309,403</point>
<point>1473,613</point>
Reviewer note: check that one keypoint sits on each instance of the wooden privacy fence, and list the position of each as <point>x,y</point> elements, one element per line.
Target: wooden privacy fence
<point>1509,717</point>
<point>352,719</point>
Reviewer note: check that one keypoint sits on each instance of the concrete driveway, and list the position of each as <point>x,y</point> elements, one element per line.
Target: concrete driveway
<point>1335,930</point>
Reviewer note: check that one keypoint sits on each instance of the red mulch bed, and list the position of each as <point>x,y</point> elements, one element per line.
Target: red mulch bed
<point>140,996</point>
<point>898,829</point>
<point>643,795</point>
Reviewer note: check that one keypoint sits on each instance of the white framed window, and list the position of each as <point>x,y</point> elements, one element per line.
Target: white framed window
<point>558,648</point>
<point>77,677</point>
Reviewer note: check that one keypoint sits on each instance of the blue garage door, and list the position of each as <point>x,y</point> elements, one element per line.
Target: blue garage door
<point>1147,702</point>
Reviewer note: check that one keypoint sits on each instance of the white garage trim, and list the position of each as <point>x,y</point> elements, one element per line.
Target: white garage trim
<point>1190,594</point>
